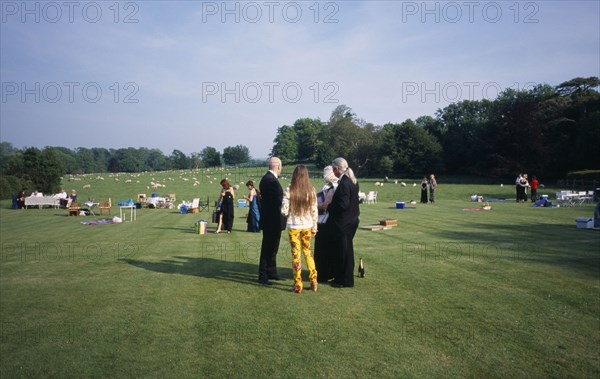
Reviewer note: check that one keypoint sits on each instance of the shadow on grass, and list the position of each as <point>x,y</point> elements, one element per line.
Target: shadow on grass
<point>233,271</point>
<point>191,230</point>
<point>184,229</point>
<point>556,244</point>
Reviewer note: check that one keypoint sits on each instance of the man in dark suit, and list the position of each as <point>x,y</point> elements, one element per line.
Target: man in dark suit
<point>271,222</point>
<point>343,219</point>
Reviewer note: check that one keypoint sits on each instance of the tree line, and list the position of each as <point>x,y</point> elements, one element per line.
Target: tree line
<point>41,169</point>
<point>545,131</point>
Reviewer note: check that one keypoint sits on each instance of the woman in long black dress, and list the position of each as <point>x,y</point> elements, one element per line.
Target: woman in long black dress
<point>324,258</point>
<point>424,190</point>
<point>226,212</point>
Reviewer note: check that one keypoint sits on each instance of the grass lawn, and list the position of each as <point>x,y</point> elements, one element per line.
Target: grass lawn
<point>511,292</point>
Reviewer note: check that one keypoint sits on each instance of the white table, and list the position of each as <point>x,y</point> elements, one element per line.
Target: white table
<point>40,201</point>
<point>133,212</point>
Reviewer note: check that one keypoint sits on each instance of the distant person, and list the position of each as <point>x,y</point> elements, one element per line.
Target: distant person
<point>597,215</point>
<point>62,197</point>
<point>21,199</point>
<point>518,187</point>
<point>343,219</point>
<point>226,210</point>
<point>254,210</point>
<point>271,221</point>
<point>73,196</point>
<point>432,188</point>
<point>324,259</point>
<point>523,183</point>
<point>534,186</point>
<point>424,185</point>
<point>300,208</point>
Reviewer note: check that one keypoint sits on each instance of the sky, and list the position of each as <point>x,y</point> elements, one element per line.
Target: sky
<point>190,74</point>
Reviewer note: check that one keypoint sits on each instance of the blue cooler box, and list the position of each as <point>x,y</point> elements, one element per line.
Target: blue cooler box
<point>400,204</point>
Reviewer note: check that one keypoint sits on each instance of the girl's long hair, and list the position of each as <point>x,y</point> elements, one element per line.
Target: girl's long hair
<point>302,193</point>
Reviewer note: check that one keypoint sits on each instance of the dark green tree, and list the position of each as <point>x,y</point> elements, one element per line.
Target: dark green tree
<point>179,161</point>
<point>40,167</point>
<point>233,155</point>
<point>114,165</point>
<point>286,144</point>
<point>307,137</point>
<point>414,150</point>
<point>7,151</point>
<point>210,157</point>
<point>195,160</point>
<point>155,160</point>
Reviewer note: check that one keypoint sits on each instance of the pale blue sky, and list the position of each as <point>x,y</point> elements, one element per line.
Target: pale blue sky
<point>184,63</point>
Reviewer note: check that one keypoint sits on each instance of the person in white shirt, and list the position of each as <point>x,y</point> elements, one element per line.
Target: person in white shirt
<point>62,197</point>
<point>300,207</point>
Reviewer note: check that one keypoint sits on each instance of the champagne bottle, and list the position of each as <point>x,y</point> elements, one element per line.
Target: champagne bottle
<point>361,268</point>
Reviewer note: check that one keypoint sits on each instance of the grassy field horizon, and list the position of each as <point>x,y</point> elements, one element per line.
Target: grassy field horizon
<point>449,292</point>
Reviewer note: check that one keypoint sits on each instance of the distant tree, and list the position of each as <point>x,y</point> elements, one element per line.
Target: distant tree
<point>233,155</point>
<point>414,150</point>
<point>179,160</point>
<point>588,140</point>
<point>324,153</point>
<point>307,136</point>
<point>114,165</point>
<point>210,157</point>
<point>462,125</point>
<point>155,160</point>
<point>195,160</point>
<point>578,85</point>
<point>67,159</point>
<point>345,134</point>
<point>130,159</point>
<point>85,160</point>
<point>101,157</point>
<point>431,125</point>
<point>386,165</point>
<point>286,144</point>
<point>7,151</point>
<point>41,168</point>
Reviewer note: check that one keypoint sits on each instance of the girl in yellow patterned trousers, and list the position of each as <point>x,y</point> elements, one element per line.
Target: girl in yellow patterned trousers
<point>300,241</point>
<point>300,207</point>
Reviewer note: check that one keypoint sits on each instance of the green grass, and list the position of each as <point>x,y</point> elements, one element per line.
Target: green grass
<point>512,292</point>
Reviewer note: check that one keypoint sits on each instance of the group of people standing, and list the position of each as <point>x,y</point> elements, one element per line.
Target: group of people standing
<point>522,185</point>
<point>225,207</point>
<point>331,216</point>
<point>431,185</point>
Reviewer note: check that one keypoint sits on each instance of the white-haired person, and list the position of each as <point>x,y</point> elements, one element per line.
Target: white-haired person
<point>343,219</point>
<point>324,240</point>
